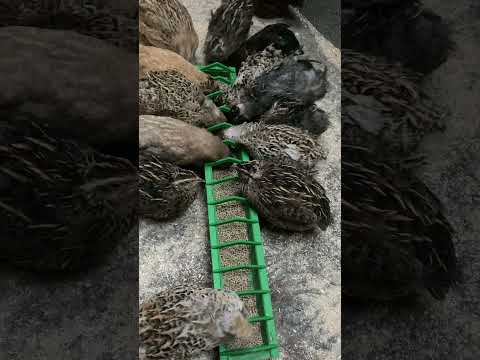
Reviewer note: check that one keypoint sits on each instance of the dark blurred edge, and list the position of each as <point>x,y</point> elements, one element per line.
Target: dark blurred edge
<point>90,315</point>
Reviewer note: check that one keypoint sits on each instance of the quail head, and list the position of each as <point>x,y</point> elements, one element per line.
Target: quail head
<point>183,322</point>
<point>286,194</point>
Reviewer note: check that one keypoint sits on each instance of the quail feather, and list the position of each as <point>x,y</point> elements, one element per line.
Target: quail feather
<point>165,189</point>
<point>155,59</point>
<point>167,24</point>
<point>63,205</point>
<point>396,242</point>
<point>254,66</point>
<point>294,85</point>
<point>264,142</point>
<point>169,93</point>
<point>401,31</point>
<point>83,17</point>
<point>285,193</point>
<point>228,28</point>
<point>387,101</point>
<point>178,142</point>
<point>185,321</point>
<point>277,36</point>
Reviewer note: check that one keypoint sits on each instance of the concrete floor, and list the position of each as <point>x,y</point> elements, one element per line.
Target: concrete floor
<point>304,270</point>
<point>449,329</point>
<point>325,16</point>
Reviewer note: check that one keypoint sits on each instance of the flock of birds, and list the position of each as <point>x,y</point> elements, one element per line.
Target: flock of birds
<point>396,240</point>
<point>64,202</point>
<point>275,118</point>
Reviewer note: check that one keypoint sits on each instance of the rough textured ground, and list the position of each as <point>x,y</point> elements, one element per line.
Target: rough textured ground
<point>450,329</point>
<point>325,16</point>
<point>304,269</point>
<point>93,316</point>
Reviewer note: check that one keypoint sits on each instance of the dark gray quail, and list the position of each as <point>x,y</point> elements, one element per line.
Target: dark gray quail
<point>167,24</point>
<point>254,66</point>
<point>395,239</point>
<point>177,142</point>
<point>310,118</point>
<point>169,93</point>
<point>63,206</point>
<point>386,101</point>
<point>279,36</point>
<point>400,30</point>
<point>293,85</point>
<point>183,322</point>
<point>276,141</point>
<point>228,29</point>
<point>83,17</point>
<point>286,194</point>
<point>165,190</point>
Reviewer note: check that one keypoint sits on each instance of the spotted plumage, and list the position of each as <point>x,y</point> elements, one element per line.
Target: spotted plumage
<point>183,322</point>
<point>278,36</point>
<point>399,30</point>
<point>165,190</point>
<point>228,28</point>
<point>169,93</point>
<point>167,24</point>
<point>395,239</point>
<point>294,85</point>
<point>286,194</point>
<point>254,66</point>
<point>264,142</point>
<point>63,205</point>
<point>387,101</point>
<point>85,18</point>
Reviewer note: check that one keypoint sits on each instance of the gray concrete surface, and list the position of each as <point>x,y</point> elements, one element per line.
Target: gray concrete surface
<point>325,16</point>
<point>450,329</point>
<point>93,316</point>
<point>304,269</point>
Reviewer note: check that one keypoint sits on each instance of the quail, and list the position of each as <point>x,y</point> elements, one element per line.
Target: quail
<point>169,93</point>
<point>228,28</point>
<point>167,24</point>
<point>165,189</point>
<point>396,240</point>
<point>386,101</point>
<point>178,142</point>
<point>63,205</point>
<point>265,142</point>
<point>286,194</point>
<point>185,321</point>
<point>401,31</point>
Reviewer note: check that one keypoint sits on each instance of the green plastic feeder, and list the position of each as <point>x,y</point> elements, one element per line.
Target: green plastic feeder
<point>258,276</point>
